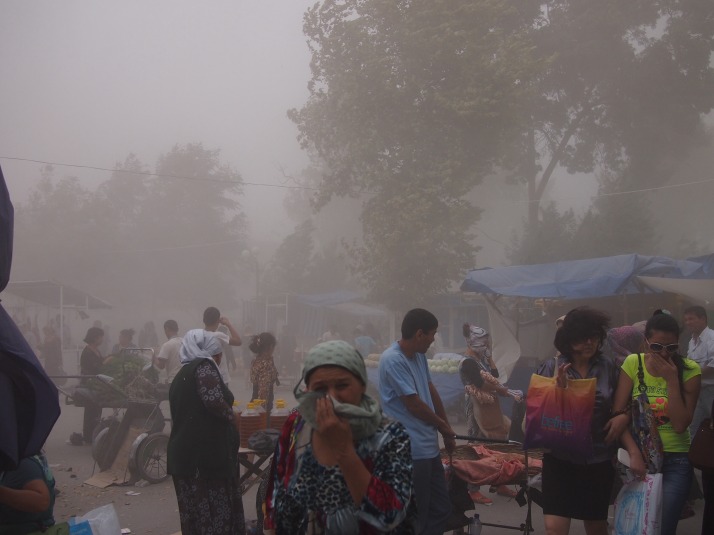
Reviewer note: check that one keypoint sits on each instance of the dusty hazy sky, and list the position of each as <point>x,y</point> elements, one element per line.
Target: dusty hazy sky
<point>88,82</point>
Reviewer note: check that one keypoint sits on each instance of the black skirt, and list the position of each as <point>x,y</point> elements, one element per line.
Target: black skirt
<point>580,491</point>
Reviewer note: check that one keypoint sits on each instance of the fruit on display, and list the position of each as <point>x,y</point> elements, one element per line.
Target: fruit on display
<point>372,360</point>
<point>444,366</point>
<point>435,366</point>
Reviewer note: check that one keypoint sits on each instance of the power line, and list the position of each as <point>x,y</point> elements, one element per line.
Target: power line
<point>628,192</point>
<point>146,173</point>
<point>284,186</point>
<point>175,248</point>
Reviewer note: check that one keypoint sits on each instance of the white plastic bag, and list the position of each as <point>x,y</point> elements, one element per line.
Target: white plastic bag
<point>103,520</point>
<point>638,507</point>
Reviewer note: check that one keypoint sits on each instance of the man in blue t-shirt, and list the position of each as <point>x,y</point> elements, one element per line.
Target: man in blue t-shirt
<point>409,397</point>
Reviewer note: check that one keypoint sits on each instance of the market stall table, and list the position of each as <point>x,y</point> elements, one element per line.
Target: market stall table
<point>255,463</point>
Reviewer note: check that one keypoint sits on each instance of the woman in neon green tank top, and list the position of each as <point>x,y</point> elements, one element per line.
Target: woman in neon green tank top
<point>672,384</point>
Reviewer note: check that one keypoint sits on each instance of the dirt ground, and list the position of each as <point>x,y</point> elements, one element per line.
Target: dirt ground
<point>153,510</point>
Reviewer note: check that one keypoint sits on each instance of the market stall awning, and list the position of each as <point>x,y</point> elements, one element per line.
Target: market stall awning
<point>55,294</point>
<point>698,290</point>
<point>582,279</point>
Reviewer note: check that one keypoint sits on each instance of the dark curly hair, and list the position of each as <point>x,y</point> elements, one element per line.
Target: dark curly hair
<point>261,342</point>
<point>580,324</point>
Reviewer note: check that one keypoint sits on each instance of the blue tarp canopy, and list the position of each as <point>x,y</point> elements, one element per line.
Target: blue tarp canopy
<point>582,279</point>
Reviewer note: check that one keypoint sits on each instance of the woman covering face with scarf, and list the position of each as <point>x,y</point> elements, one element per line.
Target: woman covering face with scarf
<point>340,466</point>
<point>480,377</point>
<point>483,411</point>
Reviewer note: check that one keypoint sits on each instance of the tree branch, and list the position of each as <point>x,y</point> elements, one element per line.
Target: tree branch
<point>558,153</point>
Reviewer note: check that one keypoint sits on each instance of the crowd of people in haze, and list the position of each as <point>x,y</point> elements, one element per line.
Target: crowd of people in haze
<point>46,342</point>
<point>346,462</point>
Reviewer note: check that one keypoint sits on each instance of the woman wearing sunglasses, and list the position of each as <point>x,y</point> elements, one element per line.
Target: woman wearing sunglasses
<point>672,385</point>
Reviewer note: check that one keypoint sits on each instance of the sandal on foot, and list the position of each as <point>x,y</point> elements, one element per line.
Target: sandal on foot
<point>479,498</point>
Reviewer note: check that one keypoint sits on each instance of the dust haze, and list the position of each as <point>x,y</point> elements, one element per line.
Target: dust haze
<point>125,124</point>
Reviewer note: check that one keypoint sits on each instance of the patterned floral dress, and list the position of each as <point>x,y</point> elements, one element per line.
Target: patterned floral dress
<point>211,505</point>
<point>304,496</point>
<point>263,375</point>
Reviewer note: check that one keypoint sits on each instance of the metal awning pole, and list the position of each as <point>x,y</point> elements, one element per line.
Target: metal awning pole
<point>266,313</point>
<point>61,321</point>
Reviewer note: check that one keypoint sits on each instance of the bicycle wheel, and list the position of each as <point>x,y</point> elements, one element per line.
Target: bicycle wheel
<point>150,460</point>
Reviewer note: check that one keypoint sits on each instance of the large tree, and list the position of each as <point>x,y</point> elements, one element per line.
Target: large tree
<point>190,230</point>
<point>401,113</point>
<point>624,90</point>
<point>54,229</point>
<point>148,241</point>
<point>412,102</point>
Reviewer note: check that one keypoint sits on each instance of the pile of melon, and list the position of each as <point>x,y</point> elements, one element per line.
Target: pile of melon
<point>440,364</point>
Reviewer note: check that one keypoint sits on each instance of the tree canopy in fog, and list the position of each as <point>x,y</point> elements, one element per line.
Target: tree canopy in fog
<point>413,102</point>
<point>299,266</point>
<point>402,113</point>
<point>623,95</point>
<point>173,239</point>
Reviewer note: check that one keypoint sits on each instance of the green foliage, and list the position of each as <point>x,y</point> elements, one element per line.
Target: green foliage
<point>413,102</point>
<point>403,110</point>
<point>51,228</point>
<point>291,264</point>
<point>549,241</point>
<point>194,223</point>
<point>623,93</point>
<point>298,266</point>
<point>415,245</point>
<point>616,223</point>
<point>138,239</point>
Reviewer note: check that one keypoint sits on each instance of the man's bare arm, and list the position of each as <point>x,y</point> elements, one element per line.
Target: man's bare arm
<point>422,411</point>
<point>234,339</point>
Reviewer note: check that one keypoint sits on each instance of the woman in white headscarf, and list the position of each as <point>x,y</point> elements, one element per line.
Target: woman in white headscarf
<point>202,450</point>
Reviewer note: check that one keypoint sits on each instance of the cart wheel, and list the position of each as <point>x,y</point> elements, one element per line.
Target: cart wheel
<point>109,421</point>
<point>100,445</point>
<point>133,454</point>
<point>150,458</point>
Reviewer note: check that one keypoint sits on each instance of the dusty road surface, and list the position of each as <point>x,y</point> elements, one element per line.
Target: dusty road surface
<point>151,509</point>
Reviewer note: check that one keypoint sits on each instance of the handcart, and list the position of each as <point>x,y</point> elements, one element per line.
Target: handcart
<point>458,485</point>
<point>135,400</point>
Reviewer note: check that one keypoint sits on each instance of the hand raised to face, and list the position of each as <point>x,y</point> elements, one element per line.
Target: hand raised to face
<point>660,366</point>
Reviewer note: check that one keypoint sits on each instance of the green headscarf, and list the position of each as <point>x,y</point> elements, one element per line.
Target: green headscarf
<point>364,418</point>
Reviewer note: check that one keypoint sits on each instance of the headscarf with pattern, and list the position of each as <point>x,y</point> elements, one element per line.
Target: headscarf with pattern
<point>477,338</point>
